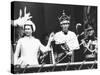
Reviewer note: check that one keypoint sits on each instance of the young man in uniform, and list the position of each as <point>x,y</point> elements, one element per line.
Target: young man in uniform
<point>65,40</point>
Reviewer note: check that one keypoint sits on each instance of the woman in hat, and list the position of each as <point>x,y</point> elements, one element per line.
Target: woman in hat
<point>29,46</point>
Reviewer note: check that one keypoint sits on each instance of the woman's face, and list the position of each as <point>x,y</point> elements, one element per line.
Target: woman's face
<point>28,30</point>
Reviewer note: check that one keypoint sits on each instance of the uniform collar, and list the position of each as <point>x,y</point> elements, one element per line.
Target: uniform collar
<point>65,33</point>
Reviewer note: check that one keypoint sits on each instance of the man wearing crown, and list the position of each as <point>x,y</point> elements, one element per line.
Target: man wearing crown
<point>65,40</point>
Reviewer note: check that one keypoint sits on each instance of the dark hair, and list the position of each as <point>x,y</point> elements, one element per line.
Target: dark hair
<point>28,25</point>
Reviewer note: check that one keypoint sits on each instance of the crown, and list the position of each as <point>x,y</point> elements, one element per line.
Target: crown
<point>64,17</point>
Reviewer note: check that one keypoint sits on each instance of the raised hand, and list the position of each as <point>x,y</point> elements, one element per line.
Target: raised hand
<point>21,20</point>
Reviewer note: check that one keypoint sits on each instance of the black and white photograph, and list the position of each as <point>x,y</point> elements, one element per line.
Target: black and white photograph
<point>49,37</point>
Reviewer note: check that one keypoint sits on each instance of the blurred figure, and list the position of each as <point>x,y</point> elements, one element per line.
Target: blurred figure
<point>90,43</point>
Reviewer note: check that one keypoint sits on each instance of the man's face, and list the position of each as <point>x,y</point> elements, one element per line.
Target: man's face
<point>91,32</point>
<point>65,25</point>
<point>28,30</point>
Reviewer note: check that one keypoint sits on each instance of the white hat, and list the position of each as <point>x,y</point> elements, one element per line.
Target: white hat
<point>30,23</point>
